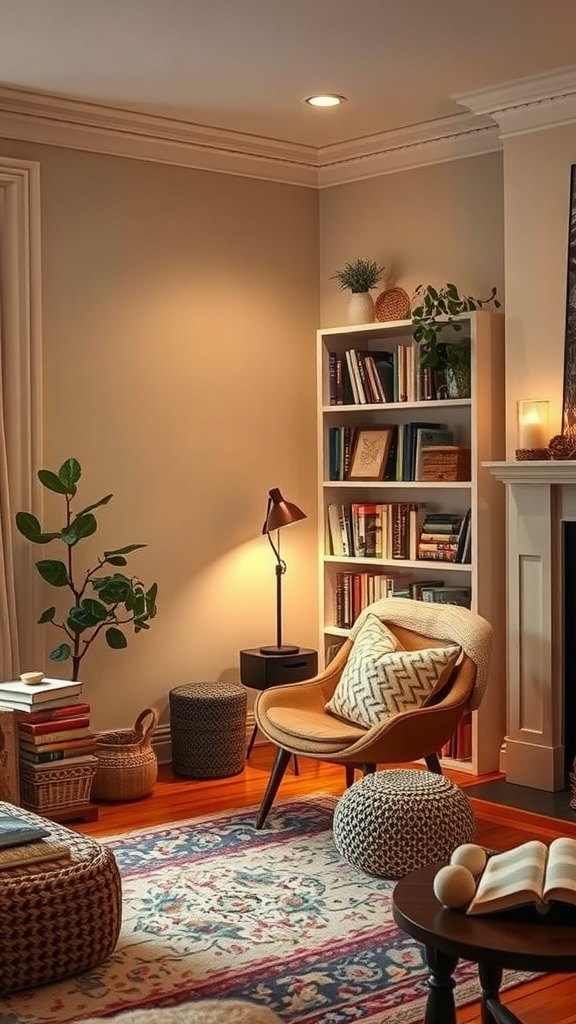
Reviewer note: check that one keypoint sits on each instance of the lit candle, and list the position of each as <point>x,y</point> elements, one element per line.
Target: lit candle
<point>533,429</point>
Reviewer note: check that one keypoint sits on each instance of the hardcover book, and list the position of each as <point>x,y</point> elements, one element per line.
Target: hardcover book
<point>46,690</point>
<point>50,714</point>
<point>14,831</point>
<point>33,853</point>
<point>62,725</point>
<point>532,873</point>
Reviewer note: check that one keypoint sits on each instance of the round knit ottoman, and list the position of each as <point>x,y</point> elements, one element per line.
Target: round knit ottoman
<point>57,918</point>
<point>392,822</point>
<point>208,729</point>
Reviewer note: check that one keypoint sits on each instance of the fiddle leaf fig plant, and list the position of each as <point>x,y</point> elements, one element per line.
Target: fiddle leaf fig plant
<point>428,304</point>
<point>359,275</point>
<point>104,603</point>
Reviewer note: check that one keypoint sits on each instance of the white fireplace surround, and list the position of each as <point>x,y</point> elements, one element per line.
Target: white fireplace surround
<point>540,497</point>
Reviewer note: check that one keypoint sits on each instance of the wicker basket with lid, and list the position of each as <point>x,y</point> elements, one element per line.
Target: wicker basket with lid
<point>127,763</point>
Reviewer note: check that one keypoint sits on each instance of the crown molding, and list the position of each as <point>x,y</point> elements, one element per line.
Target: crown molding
<point>527,104</point>
<point>57,121</point>
<point>404,149</point>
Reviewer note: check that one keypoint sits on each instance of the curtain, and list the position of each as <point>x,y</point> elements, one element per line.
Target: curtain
<point>20,411</point>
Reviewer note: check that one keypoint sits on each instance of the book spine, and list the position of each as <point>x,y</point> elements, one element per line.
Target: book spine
<point>41,744</point>
<point>63,725</point>
<point>55,737</point>
<point>43,756</point>
<point>332,378</point>
<point>53,714</point>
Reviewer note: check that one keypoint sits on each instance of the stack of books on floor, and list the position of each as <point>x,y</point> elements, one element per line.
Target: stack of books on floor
<point>56,744</point>
<point>23,843</point>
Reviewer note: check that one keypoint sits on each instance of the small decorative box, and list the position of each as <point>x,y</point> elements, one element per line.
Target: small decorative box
<point>445,462</point>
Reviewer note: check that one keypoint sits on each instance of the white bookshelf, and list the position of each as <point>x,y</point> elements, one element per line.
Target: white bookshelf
<point>477,422</point>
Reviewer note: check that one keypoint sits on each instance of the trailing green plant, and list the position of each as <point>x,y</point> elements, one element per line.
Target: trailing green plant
<point>104,603</point>
<point>428,304</point>
<point>359,275</point>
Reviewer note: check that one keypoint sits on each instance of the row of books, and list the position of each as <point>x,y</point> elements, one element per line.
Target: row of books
<point>404,455</point>
<point>373,377</point>
<point>397,530</point>
<point>373,530</point>
<point>459,746</point>
<point>354,591</point>
<point>445,537</point>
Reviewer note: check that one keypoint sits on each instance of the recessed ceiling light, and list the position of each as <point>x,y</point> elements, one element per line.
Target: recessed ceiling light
<point>328,100</point>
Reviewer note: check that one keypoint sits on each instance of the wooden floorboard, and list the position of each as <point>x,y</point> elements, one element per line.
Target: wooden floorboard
<point>549,999</point>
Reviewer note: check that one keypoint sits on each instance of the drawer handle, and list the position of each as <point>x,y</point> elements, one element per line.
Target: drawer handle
<point>296,664</point>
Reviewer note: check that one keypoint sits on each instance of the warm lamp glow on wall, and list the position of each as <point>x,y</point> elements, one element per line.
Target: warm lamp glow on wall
<point>533,426</point>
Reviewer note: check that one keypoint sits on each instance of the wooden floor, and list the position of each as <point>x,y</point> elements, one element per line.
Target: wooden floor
<point>547,1000</point>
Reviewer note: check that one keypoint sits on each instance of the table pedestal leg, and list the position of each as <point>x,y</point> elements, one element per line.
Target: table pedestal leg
<point>492,1011</point>
<point>440,1008</point>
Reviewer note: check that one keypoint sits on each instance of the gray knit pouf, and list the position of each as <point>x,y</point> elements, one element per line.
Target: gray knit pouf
<point>392,822</point>
<point>208,729</point>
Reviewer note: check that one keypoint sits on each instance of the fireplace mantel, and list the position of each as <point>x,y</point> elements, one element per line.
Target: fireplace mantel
<point>540,497</point>
<point>537,472</point>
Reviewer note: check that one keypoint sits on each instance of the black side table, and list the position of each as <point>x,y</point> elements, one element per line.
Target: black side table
<point>259,671</point>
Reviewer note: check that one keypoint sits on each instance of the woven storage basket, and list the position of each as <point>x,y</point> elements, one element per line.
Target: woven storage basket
<point>127,765</point>
<point>56,787</point>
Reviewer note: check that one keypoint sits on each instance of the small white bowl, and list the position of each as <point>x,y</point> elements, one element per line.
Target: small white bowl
<point>32,678</point>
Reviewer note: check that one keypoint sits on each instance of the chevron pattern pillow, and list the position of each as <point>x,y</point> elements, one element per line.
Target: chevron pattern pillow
<point>376,685</point>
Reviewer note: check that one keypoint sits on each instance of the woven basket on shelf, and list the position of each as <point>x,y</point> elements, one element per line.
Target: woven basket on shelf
<point>56,787</point>
<point>127,764</point>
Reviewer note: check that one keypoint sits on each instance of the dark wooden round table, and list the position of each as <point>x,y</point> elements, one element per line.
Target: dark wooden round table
<point>519,941</point>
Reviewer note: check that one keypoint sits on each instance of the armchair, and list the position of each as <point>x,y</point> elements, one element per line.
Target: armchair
<point>295,719</point>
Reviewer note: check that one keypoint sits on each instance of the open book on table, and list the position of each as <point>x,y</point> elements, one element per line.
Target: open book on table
<point>532,873</point>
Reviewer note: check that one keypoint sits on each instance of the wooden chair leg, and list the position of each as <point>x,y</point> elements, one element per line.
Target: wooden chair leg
<point>368,769</point>
<point>276,776</point>
<point>433,764</point>
<point>349,775</point>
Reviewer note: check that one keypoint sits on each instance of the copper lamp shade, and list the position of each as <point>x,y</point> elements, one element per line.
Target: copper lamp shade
<point>279,513</point>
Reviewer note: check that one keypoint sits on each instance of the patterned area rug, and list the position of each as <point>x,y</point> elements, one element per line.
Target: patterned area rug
<point>213,908</point>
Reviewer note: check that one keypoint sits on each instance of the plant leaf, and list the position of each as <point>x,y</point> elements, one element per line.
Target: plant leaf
<point>69,473</point>
<point>115,638</point>
<point>82,526</point>
<point>53,572</point>
<point>49,480</point>
<point>124,551</point>
<point>117,560</point>
<point>47,615</point>
<point>95,504</point>
<point>61,653</point>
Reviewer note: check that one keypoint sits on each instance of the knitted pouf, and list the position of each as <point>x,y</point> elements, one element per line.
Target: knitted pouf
<point>392,822</point>
<point>208,729</point>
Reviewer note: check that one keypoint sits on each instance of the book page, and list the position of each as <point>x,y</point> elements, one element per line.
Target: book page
<point>560,883</point>
<point>511,879</point>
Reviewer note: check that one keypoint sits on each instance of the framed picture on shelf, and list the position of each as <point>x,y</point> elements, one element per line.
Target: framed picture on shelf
<point>370,453</point>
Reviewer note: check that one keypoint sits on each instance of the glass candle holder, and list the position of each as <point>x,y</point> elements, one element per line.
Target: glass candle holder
<point>533,423</point>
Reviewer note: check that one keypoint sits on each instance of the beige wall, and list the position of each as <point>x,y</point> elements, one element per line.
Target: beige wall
<point>537,197</point>
<point>179,318</point>
<point>427,226</point>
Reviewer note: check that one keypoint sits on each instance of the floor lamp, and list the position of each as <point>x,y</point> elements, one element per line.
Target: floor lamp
<point>279,513</point>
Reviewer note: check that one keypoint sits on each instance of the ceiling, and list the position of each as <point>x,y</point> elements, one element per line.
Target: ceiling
<point>245,65</point>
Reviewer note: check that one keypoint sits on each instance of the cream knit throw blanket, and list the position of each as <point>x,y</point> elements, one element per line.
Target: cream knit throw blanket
<point>440,622</point>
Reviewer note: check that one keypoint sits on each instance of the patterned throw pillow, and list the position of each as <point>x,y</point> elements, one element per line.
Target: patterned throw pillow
<point>374,641</point>
<point>376,685</point>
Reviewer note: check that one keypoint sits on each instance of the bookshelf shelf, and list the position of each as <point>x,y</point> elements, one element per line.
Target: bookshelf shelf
<point>476,423</point>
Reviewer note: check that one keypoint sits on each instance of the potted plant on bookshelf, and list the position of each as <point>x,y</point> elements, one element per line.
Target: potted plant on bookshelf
<point>105,602</point>
<point>433,309</point>
<point>360,276</point>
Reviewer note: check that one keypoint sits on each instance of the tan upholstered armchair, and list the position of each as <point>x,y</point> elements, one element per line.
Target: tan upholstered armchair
<point>294,717</point>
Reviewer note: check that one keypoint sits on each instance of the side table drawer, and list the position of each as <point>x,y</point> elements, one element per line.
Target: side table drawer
<point>259,671</point>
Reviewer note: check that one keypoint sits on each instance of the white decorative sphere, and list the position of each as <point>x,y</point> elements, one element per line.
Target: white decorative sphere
<point>470,856</point>
<point>454,886</point>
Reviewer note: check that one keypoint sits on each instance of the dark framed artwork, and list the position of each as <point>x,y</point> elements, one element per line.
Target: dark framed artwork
<point>569,392</point>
